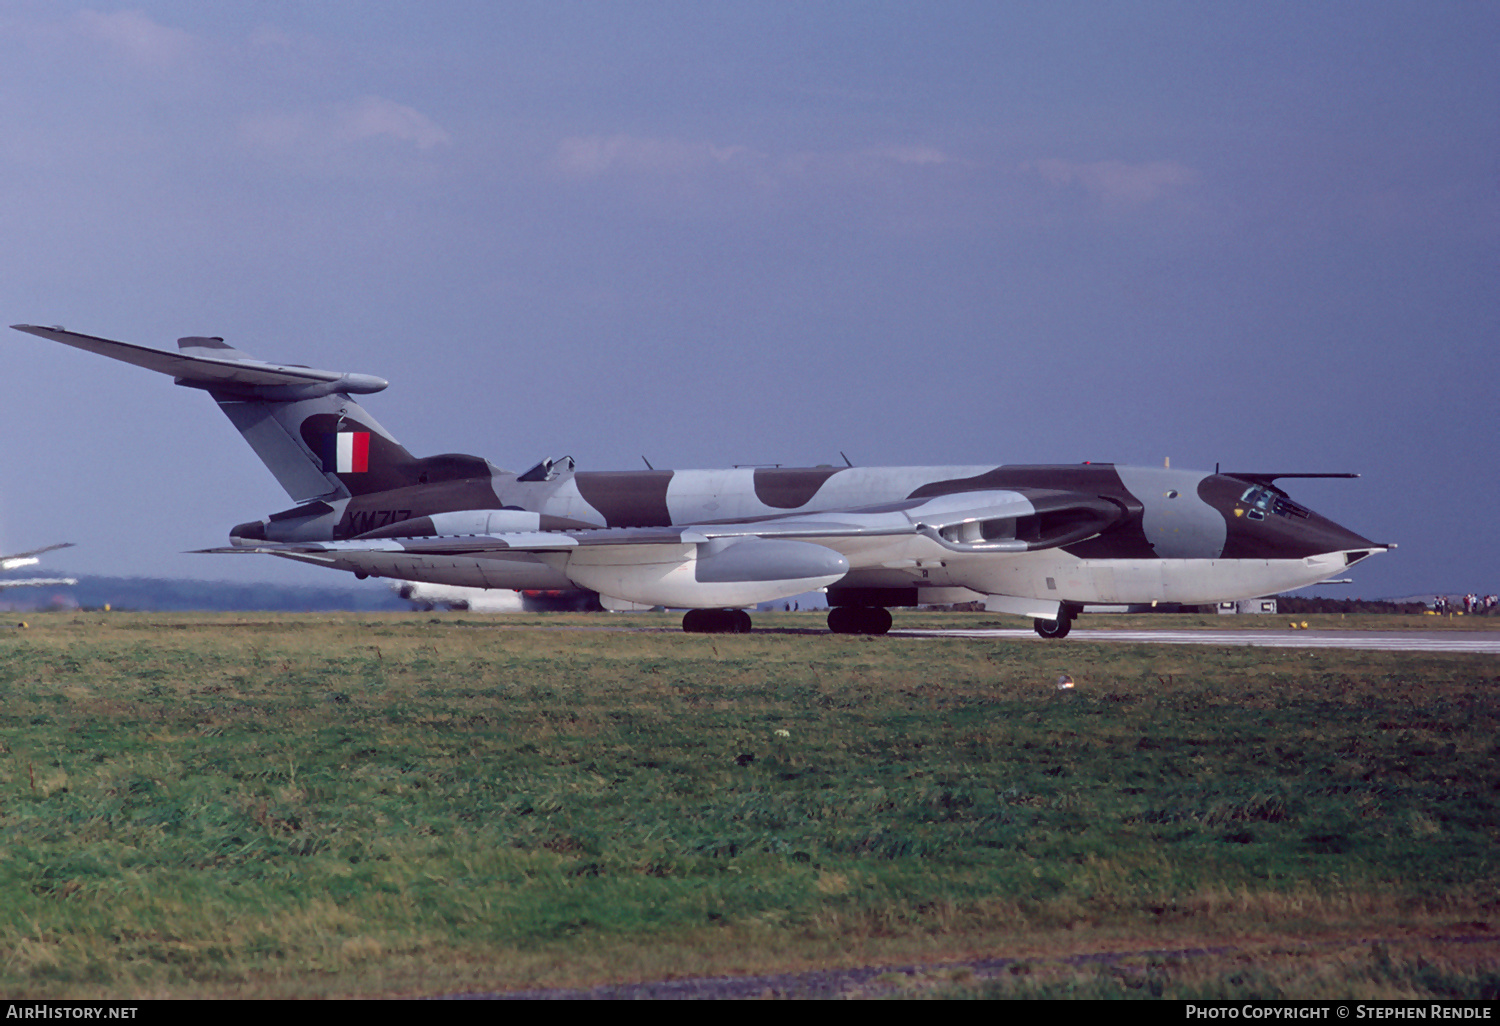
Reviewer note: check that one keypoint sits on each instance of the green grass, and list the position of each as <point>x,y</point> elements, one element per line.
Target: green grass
<point>374,804</point>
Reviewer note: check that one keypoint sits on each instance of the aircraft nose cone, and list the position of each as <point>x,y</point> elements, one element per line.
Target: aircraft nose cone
<point>1266,524</point>
<point>1328,536</point>
<point>1294,536</point>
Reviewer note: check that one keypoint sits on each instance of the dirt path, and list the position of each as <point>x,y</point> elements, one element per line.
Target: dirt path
<point>883,981</point>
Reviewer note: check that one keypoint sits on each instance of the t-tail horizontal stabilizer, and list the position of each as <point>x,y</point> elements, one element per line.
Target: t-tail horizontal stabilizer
<point>209,363</point>
<point>318,442</point>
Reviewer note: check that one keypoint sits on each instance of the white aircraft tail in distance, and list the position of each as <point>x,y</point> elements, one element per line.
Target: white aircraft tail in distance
<point>20,559</point>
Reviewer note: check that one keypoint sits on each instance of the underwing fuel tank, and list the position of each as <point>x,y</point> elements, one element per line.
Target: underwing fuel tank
<point>724,573</point>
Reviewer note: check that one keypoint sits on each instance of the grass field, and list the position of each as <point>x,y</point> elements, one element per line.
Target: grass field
<point>368,804</point>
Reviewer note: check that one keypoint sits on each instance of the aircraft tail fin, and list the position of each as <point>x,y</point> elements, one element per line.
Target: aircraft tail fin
<point>302,423</point>
<point>327,447</point>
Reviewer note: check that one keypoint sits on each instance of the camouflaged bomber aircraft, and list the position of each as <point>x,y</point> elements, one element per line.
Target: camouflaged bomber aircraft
<point>1038,541</point>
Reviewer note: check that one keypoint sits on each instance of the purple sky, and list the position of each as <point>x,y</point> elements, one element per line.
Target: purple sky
<point>1261,235</point>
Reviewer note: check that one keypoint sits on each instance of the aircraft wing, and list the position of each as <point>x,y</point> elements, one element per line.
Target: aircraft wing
<point>36,582</point>
<point>732,563</point>
<point>28,558</point>
<point>991,521</point>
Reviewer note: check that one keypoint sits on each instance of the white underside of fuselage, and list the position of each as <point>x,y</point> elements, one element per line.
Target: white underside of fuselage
<point>1057,576</point>
<point>1050,576</point>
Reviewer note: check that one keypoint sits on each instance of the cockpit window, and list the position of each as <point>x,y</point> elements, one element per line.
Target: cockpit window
<point>1258,498</point>
<point>1263,500</point>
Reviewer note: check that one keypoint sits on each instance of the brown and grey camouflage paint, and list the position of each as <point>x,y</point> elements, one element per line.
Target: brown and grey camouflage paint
<point>790,488</point>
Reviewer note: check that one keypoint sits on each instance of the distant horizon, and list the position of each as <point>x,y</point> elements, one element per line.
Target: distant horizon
<point>375,587</point>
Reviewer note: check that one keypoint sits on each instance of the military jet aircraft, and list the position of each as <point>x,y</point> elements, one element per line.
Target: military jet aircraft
<point>21,559</point>
<point>1038,541</point>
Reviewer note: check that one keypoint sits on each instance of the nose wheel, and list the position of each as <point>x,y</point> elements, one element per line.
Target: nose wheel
<point>716,621</point>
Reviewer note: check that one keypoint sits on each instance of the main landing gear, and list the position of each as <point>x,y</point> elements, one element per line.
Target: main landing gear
<point>716,621</point>
<point>1058,628</point>
<point>859,620</point>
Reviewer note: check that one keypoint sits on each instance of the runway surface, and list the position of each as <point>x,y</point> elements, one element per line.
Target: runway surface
<point>1487,642</point>
<point>1482,642</point>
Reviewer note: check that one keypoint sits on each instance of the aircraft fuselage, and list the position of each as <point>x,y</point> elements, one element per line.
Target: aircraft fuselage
<point>1040,541</point>
<point>1182,536</point>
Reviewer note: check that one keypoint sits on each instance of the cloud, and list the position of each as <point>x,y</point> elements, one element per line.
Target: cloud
<point>269,36</point>
<point>373,117</point>
<point>916,155</point>
<point>897,184</point>
<point>136,37</point>
<point>599,156</point>
<point>325,131</point>
<point>592,156</point>
<point>1114,181</point>
<point>842,166</point>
